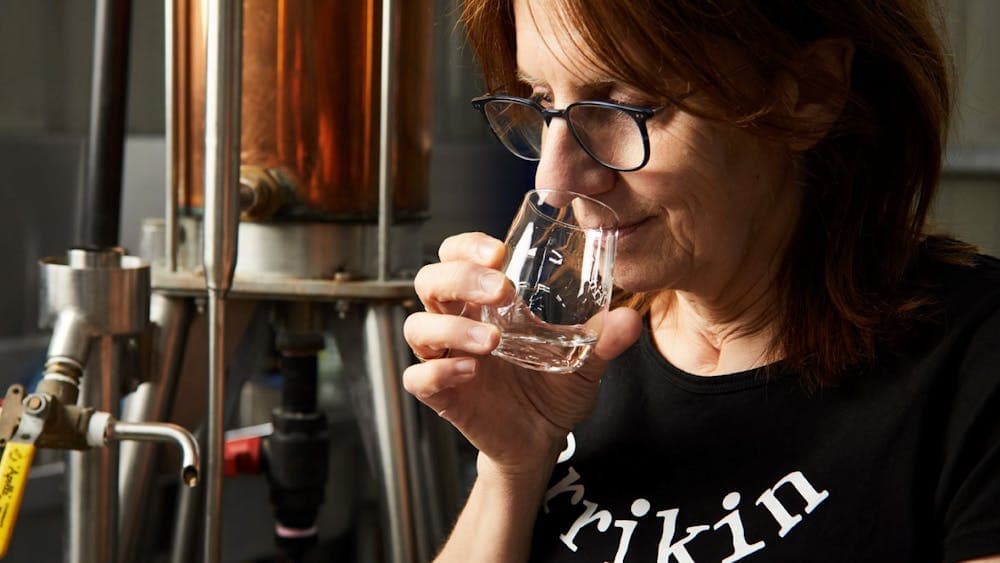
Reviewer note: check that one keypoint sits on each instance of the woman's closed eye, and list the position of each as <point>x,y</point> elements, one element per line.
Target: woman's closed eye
<point>543,99</point>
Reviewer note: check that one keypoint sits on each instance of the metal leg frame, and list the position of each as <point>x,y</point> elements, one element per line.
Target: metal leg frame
<point>92,534</point>
<point>152,401</point>
<point>383,371</point>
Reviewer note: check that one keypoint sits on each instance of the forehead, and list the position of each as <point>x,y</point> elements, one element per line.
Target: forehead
<point>549,49</point>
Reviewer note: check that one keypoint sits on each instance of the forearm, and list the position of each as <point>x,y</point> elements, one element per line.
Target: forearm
<point>498,518</point>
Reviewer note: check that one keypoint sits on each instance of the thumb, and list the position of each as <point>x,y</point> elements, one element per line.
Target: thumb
<point>621,329</point>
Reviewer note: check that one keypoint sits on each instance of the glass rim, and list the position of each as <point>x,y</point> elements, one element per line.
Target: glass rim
<point>614,215</point>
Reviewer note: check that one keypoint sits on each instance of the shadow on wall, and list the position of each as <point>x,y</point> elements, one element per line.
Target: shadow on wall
<point>37,218</point>
<point>474,187</point>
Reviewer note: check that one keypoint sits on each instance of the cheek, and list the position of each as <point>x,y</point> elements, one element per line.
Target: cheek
<point>699,154</point>
<point>645,275</point>
<point>710,179</point>
<point>653,259</point>
<point>704,189</point>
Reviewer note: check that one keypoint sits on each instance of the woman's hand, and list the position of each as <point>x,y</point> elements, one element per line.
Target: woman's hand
<point>516,417</point>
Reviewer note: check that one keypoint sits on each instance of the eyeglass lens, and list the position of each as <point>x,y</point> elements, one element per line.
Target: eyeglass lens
<point>518,126</point>
<point>609,134</point>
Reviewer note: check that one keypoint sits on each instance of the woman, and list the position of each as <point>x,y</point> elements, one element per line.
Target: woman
<point>800,373</point>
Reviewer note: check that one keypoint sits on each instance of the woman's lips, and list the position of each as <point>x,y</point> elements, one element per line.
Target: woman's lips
<point>629,228</point>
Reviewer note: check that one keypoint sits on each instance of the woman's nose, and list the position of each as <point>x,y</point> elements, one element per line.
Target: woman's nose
<point>564,165</point>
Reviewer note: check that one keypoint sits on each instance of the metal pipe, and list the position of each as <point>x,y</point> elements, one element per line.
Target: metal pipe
<point>222,178</point>
<point>442,479</point>
<point>100,206</point>
<point>71,338</point>
<point>186,523</point>
<point>92,534</point>
<point>222,142</point>
<point>151,401</point>
<point>162,432</point>
<point>108,257</point>
<point>431,458</point>
<point>168,133</point>
<point>419,475</point>
<point>386,132</point>
<point>383,370</point>
<point>214,439</point>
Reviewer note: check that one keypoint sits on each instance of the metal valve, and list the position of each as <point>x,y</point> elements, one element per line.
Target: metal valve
<point>18,453</point>
<point>40,420</point>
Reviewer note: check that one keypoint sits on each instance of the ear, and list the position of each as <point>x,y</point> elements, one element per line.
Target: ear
<point>815,95</point>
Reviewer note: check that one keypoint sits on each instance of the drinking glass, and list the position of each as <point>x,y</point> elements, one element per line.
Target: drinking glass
<point>560,259</point>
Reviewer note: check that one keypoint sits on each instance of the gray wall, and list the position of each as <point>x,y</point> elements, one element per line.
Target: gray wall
<point>45,54</point>
<point>969,201</point>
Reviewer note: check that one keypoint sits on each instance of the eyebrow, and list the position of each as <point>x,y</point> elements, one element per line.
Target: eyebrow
<point>587,86</point>
<point>527,79</point>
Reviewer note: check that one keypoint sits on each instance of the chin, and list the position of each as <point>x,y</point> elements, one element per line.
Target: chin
<point>635,279</point>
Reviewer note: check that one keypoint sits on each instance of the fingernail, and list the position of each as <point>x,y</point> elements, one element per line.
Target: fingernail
<point>491,282</point>
<point>480,334</point>
<point>487,252</point>
<point>468,365</point>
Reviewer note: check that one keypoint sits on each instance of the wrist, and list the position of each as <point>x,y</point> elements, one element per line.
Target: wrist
<point>531,472</point>
<point>497,522</point>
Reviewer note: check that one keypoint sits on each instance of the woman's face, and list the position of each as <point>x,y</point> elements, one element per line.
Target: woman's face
<point>713,206</point>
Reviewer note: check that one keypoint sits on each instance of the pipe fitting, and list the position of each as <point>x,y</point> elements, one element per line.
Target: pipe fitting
<point>71,338</point>
<point>261,194</point>
<point>61,379</point>
<point>104,428</point>
<point>163,432</point>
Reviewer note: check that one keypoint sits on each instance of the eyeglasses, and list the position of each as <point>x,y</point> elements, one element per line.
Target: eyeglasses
<point>613,134</point>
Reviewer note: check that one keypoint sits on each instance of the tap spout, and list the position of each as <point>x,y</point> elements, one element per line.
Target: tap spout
<point>161,432</point>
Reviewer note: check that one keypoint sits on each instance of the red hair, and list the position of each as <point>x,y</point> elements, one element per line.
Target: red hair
<point>845,281</point>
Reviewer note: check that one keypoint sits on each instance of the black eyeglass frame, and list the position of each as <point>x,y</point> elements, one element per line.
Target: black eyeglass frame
<point>639,115</point>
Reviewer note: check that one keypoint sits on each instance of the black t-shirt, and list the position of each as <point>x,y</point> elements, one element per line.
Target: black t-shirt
<point>898,463</point>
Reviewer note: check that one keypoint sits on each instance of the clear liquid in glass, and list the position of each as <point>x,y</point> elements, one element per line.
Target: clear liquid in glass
<point>545,347</point>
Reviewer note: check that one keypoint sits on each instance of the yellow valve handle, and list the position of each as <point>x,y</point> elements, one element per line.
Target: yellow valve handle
<point>14,469</point>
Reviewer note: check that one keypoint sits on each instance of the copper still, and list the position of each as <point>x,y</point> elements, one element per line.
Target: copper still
<point>310,105</point>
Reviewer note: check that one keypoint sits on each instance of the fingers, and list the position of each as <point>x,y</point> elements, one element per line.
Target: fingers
<point>473,247</point>
<point>460,282</point>
<point>622,328</point>
<point>432,382</point>
<point>468,273</point>
<point>429,335</point>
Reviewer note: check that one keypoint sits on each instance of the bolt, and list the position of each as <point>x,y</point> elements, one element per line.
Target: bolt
<point>343,276</point>
<point>342,307</point>
<point>33,404</point>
